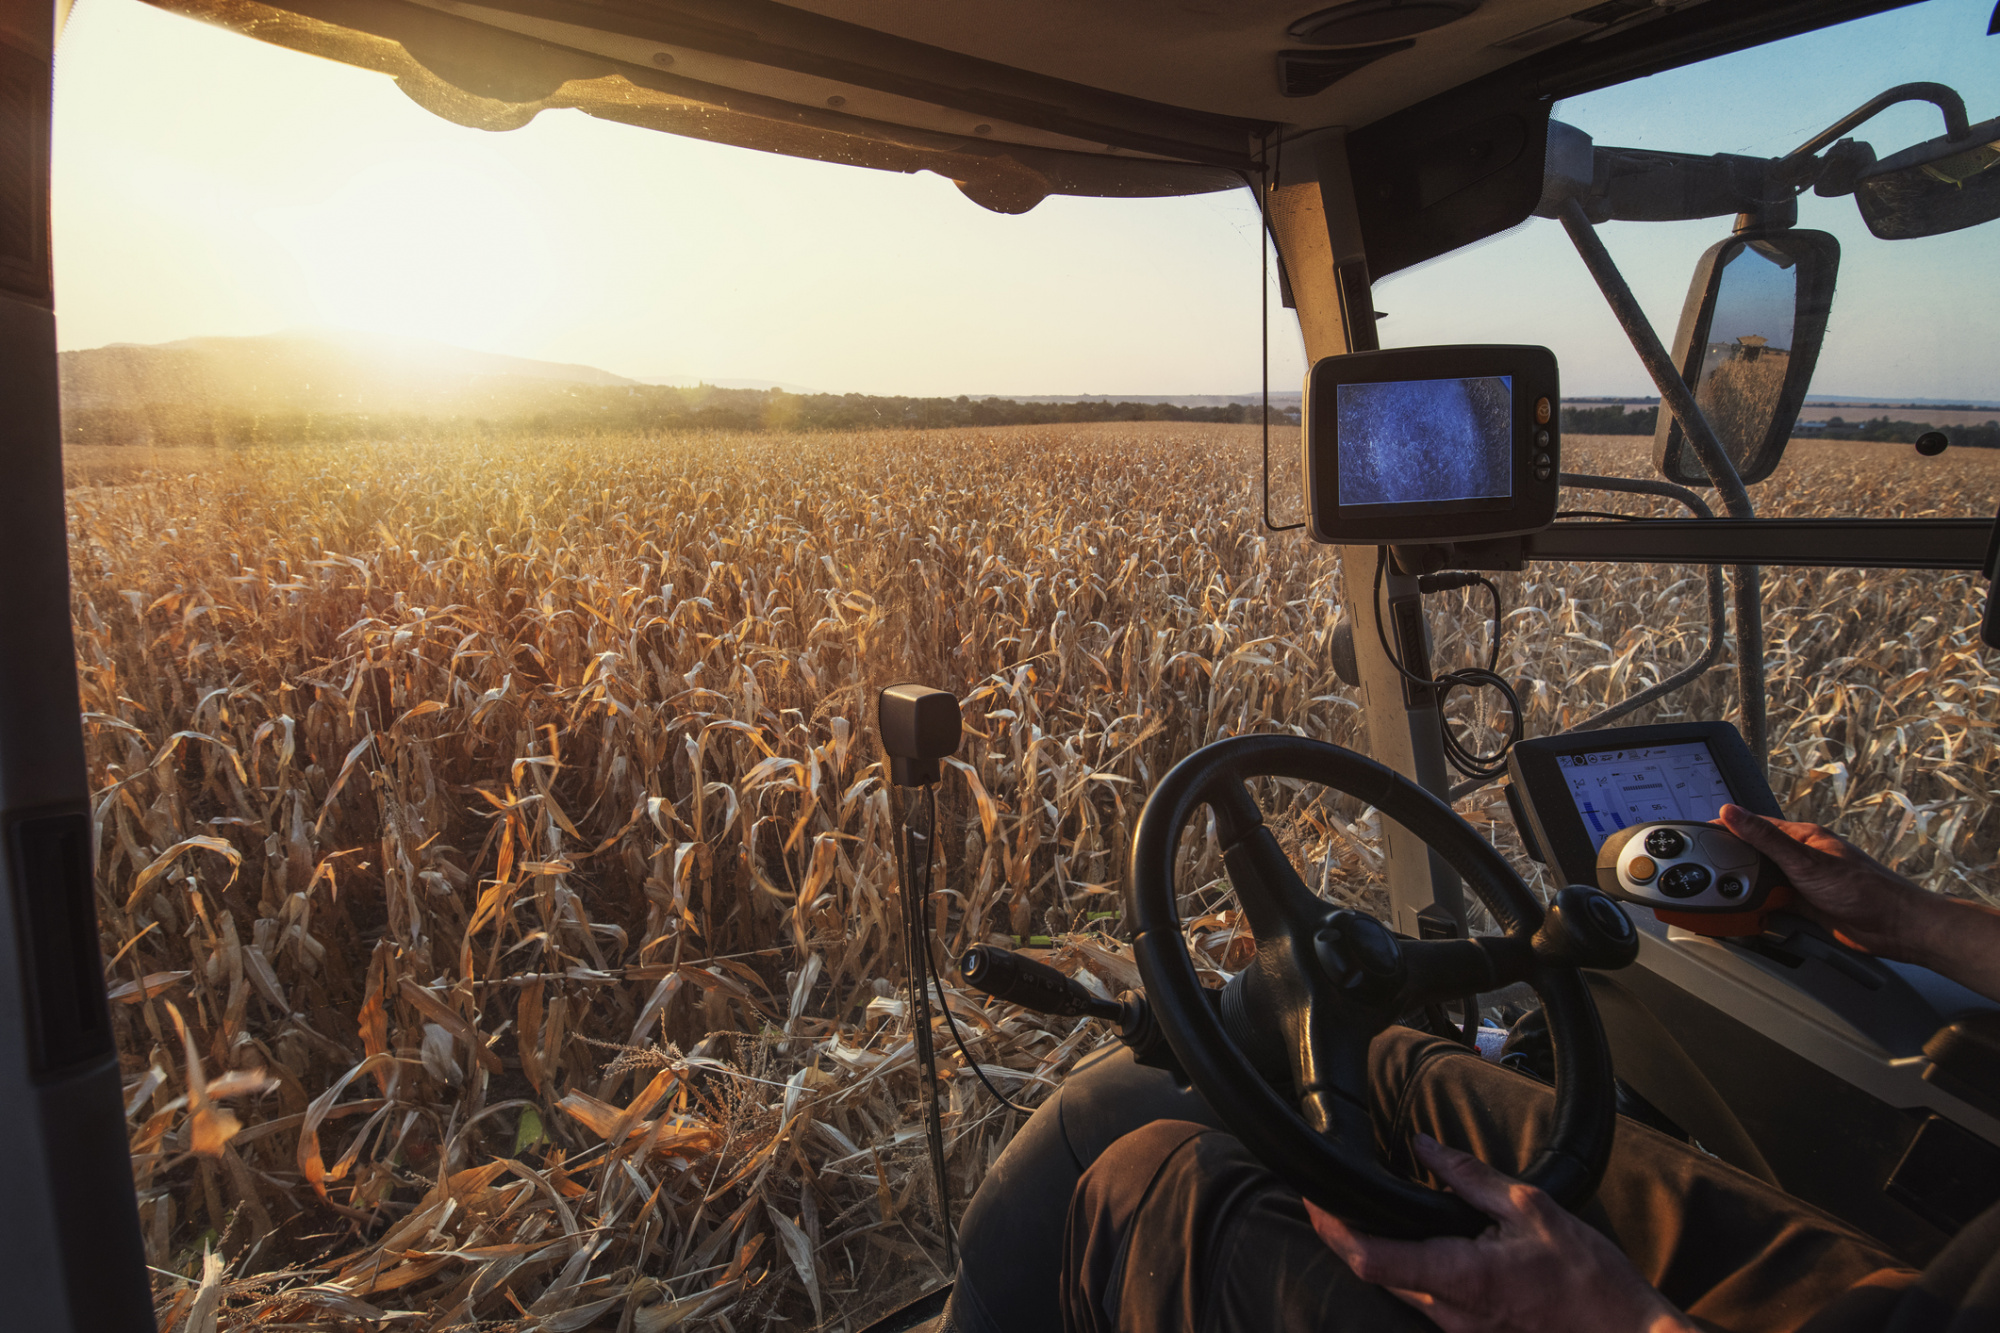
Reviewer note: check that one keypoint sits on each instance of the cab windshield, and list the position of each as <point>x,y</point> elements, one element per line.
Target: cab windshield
<point>487,551</point>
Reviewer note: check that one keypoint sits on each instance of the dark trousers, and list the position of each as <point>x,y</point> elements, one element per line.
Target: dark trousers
<point>1176,1226</point>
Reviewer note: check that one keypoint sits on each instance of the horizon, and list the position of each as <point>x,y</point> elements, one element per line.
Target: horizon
<point>765,383</point>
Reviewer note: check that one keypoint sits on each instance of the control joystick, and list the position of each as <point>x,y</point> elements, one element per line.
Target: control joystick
<point>1700,877</point>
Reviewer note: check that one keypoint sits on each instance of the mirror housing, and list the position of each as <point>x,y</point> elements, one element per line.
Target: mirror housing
<point>1946,184</point>
<point>1749,385</point>
<point>1936,187</point>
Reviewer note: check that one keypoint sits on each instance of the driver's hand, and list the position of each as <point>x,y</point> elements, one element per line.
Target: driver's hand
<point>1536,1270</point>
<point>1866,904</point>
<point>1871,907</point>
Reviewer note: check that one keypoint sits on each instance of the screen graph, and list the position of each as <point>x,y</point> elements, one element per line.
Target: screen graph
<point>1614,789</point>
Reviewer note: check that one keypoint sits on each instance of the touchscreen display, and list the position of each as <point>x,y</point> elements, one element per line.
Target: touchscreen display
<point>1616,788</point>
<point>1425,441</point>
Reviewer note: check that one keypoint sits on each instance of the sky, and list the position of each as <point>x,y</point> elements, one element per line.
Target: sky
<point>205,183</point>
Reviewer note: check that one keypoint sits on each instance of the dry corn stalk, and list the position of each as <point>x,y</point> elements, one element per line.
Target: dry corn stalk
<point>461,786</point>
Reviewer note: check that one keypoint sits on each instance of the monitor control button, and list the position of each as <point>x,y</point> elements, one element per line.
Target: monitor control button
<point>1726,852</point>
<point>1541,439</point>
<point>1641,869</point>
<point>1666,843</point>
<point>1543,460</point>
<point>1543,472</point>
<point>1731,887</point>
<point>1685,880</point>
<point>1543,411</point>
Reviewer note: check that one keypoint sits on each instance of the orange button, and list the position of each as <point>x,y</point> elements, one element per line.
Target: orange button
<point>1641,869</point>
<point>1542,411</point>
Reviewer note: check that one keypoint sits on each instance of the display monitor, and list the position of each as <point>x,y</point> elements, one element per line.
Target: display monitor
<point>1425,441</point>
<point>1613,789</point>
<point>1425,444</point>
<point>1570,793</point>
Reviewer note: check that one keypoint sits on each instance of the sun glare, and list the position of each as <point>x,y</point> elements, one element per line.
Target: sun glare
<point>427,245</point>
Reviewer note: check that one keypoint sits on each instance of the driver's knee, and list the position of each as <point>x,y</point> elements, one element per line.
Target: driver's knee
<point>1178,1227</point>
<point>1011,1234</point>
<point>1110,1095</point>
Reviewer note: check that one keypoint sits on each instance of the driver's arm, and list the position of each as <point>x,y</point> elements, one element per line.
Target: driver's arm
<point>1873,908</point>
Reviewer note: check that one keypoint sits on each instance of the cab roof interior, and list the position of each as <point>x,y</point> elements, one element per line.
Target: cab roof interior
<point>1445,102</point>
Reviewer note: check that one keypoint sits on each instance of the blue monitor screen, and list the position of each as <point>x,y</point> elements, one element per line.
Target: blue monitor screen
<point>1426,441</point>
<point>1616,788</point>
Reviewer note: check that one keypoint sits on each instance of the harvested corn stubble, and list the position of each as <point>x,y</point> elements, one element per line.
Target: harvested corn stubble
<point>496,867</point>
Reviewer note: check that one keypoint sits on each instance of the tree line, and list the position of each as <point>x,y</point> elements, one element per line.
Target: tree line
<point>1986,435</point>
<point>613,408</point>
<point>1612,419</point>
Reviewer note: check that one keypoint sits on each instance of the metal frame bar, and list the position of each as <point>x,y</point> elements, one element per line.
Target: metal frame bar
<point>1678,398</point>
<point>1828,543</point>
<point>1694,670</point>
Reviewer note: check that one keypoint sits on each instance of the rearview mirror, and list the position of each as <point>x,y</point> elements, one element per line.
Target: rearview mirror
<point>1936,187</point>
<point>1749,337</point>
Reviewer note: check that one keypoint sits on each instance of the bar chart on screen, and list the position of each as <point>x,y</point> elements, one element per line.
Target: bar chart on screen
<point>1614,789</point>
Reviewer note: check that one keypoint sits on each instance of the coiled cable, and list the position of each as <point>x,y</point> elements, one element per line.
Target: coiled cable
<point>1461,757</point>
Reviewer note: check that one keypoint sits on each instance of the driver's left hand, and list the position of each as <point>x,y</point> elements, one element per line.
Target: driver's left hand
<point>1538,1269</point>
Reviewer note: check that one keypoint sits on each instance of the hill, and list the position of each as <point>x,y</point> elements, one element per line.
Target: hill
<point>214,389</point>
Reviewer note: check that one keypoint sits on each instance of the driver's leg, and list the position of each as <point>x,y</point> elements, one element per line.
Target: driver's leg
<point>1719,1243</point>
<point>1011,1235</point>
<point>1177,1227</point>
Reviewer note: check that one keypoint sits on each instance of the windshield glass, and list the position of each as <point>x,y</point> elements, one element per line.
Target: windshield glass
<point>1875,678</point>
<point>488,549</point>
<point>1907,346</point>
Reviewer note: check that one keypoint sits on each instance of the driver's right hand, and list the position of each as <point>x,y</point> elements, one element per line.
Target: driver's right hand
<point>1871,907</point>
<point>1538,1269</point>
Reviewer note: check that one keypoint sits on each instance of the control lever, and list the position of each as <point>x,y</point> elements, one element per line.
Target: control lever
<point>1016,979</point>
<point>1700,877</point>
<point>1585,928</point>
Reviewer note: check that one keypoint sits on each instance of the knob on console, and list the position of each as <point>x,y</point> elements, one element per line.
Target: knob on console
<point>1585,928</point>
<point>1666,843</point>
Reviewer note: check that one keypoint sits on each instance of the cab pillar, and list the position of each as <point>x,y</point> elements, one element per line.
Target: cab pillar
<point>1314,226</point>
<point>69,1224</point>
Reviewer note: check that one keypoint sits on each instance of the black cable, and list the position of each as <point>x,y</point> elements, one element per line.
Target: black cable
<point>917,948</point>
<point>1452,582</point>
<point>1471,764</point>
<point>923,913</point>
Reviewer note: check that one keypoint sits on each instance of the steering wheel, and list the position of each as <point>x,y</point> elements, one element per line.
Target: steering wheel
<point>1329,980</point>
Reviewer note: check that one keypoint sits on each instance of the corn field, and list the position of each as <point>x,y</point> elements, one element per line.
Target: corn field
<point>495,857</point>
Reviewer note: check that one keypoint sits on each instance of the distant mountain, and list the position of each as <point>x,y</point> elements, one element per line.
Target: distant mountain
<point>698,381</point>
<point>316,372</point>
